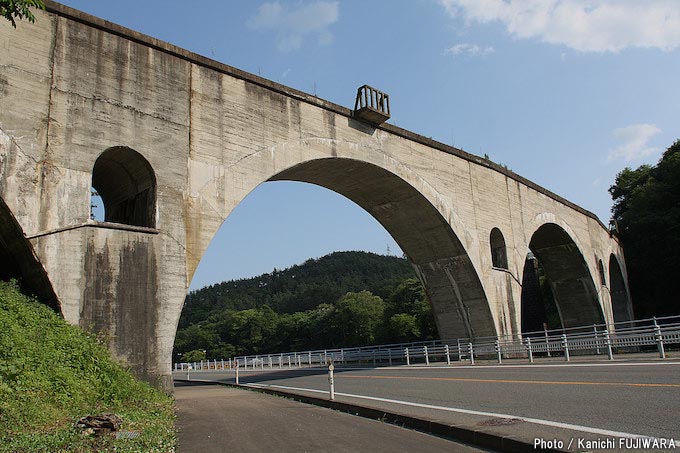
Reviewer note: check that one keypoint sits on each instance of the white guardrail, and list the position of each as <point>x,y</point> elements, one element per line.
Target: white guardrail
<point>628,336</point>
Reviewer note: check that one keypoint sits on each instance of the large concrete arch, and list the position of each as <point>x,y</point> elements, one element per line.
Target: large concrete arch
<point>460,306</point>
<point>570,279</point>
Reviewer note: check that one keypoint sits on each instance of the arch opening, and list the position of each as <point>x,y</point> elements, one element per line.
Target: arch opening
<point>539,311</point>
<point>568,276</point>
<point>450,280</point>
<point>499,256</point>
<point>126,184</point>
<point>600,269</point>
<point>18,260</point>
<point>621,306</point>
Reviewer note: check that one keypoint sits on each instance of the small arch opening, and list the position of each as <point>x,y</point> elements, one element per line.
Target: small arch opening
<point>600,268</point>
<point>124,184</point>
<point>499,254</point>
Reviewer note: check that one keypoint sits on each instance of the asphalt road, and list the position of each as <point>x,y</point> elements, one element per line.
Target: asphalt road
<point>218,419</point>
<point>635,398</point>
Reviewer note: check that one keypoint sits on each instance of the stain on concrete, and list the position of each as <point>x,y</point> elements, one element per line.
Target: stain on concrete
<point>136,307</point>
<point>98,306</point>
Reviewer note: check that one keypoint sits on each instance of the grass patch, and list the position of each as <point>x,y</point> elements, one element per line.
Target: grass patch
<point>52,373</point>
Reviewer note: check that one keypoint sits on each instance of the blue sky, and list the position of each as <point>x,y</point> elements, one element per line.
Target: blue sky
<point>564,92</point>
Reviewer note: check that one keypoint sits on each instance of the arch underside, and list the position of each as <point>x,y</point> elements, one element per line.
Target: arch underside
<point>571,283</point>
<point>620,301</point>
<point>17,260</point>
<point>450,280</point>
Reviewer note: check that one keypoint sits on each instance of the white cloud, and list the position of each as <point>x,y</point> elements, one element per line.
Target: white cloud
<point>583,25</point>
<point>634,142</point>
<point>470,49</point>
<point>294,24</point>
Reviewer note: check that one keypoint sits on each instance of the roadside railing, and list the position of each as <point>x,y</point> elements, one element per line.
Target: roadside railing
<point>597,339</point>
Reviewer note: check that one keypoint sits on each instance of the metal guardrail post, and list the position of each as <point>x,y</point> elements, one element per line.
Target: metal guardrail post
<point>389,355</point>
<point>530,351</point>
<point>547,342</point>
<point>497,345</point>
<point>448,356</point>
<point>565,346</point>
<point>289,365</point>
<point>659,340</point>
<point>408,359</point>
<point>236,371</point>
<point>597,340</point>
<point>309,358</point>
<point>472,354</point>
<point>427,356</point>
<point>609,345</point>
<point>458,343</point>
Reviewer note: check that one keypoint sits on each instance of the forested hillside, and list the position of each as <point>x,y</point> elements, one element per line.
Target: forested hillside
<point>342,299</point>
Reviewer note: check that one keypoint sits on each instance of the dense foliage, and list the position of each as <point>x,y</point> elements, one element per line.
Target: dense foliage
<point>52,373</point>
<point>343,299</point>
<point>647,213</point>
<point>19,9</point>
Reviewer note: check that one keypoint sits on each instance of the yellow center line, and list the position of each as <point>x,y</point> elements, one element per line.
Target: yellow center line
<point>513,381</point>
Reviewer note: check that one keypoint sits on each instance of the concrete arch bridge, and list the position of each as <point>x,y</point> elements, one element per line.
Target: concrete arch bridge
<point>173,141</point>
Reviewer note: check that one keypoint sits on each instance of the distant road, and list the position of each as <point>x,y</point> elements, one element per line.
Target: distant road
<point>637,397</point>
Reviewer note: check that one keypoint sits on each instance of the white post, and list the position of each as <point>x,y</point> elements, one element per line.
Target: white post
<point>448,356</point>
<point>236,368</point>
<point>427,356</point>
<point>408,359</point>
<point>289,365</point>
<point>498,351</point>
<point>331,381</point>
<point>565,346</point>
<point>531,353</point>
<point>222,363</point>
<point>389,354</point>
<point>269,358</point>
<point>547,342</point>
<point>659,340</point>
<point>310,358</point>
<point>609,345</point>
<point>472,354</point>
<point>597,340</point>
<point>458,343</point>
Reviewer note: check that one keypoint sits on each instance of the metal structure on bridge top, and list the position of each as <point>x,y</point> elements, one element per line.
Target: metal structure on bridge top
<point>371,105</point>
<point>174,142</point>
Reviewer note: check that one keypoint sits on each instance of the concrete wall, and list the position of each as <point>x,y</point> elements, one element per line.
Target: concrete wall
<point>73,86</point>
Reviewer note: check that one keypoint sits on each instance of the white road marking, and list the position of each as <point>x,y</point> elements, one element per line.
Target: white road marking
<point>587,429</point>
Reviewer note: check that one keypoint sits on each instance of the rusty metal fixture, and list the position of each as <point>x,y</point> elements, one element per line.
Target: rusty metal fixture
<point>371,105</point>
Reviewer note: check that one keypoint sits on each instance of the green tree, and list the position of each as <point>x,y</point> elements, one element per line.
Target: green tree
<point>194,356</point>
<point>358,318</point>
<point>19,9</point>
<point>403,328</point>
<point>646,212</point>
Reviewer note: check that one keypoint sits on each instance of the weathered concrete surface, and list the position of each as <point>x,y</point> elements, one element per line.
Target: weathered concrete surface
<point>74,86</point>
